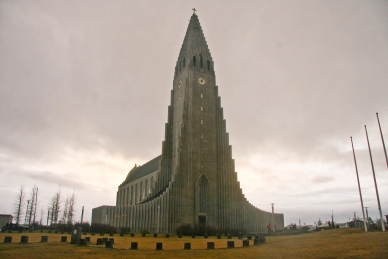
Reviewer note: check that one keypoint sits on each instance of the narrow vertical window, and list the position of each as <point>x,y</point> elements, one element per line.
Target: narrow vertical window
<point>180,66</point>
<point>194,61</point>
<point>184,62</point>
<point>201,109</point>
<point>201,135</point>
<point>201,121</point>
<point>200,60</point>
<point>201,95</point>
<point>208,65</point>
<point>176,70</point>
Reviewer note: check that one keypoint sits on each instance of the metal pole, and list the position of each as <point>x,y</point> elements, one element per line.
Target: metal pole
<point>82,215</point>
<point>359,188</point>
<point>355,222</point>
<point>374,177</point>
<point>48,215</point>
<point>273,223</point>
<point>382,139</point>
<point>300,226</point>
<point>367,216</point>
<point>332,219</point>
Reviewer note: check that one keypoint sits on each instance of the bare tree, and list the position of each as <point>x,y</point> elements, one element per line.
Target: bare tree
<point>19,204</point>
<point>71,209</point>
<point>65,211</point>
<point>41,216</point>
<point>32,209</point>
<point>55,206</point>
<point>36,204</point>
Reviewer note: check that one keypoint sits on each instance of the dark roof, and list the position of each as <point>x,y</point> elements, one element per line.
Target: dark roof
<point>7,215</point>
<point>138,172</point>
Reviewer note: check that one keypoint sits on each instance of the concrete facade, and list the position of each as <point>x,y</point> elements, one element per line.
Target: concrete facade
<point>194,180</point>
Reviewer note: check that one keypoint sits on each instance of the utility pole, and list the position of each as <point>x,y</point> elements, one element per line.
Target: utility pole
<point>382,139</point>
<point>273,222</point>
<point>359,187</point>
<point>355,220</point>
<point>332,219</point>
<point>300,226</point>
<point>367,216</point>
<point>374,178</point>
<point>82,215</point>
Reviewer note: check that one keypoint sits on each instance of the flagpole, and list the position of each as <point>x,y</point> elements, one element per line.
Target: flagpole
<point>359,187</point>
<point>374,177</point>
<point>382,139</point>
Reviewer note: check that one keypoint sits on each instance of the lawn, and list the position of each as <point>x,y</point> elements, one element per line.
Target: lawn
<point>336,243</point>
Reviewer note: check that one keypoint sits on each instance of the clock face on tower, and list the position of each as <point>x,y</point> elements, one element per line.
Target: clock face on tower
<point>201,81</point>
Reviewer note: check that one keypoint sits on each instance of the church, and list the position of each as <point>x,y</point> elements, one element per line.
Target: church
<point>193,181</point>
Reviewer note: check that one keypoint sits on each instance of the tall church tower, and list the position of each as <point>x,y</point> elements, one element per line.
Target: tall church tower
<point>194,180</point>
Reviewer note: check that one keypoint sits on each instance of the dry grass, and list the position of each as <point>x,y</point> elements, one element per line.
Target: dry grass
<point>337,243</point>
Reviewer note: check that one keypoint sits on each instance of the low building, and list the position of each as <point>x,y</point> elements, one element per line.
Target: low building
<point>4,219</point>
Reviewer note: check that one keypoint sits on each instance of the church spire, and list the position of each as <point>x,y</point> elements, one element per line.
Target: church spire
<point>194,51</point>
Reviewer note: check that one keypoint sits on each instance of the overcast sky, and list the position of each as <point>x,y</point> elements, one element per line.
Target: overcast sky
<point>85,86</point>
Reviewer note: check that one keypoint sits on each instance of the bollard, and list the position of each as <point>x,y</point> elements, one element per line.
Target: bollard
<point>245,243</point>
<point>134,245</point>
<point>99,241</point>
<point>187,246</point>
<point>109,244</point>
<point>159,246</point>
<point>256,241</point>
<point>63,238</point>
<point>82,242</point>
<point>230,244</point>
<point>24,239</point>
<point>210,245</point>
<point>7,239</point>
<point>44,239</point>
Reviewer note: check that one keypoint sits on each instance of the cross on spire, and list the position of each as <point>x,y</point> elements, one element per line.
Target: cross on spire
<point>194,10</point>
